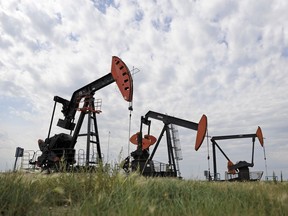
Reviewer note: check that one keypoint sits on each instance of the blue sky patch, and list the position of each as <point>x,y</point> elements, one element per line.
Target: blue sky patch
<point>162,25</point>
<point>74,37</point>
<point>139,15</point>
<point>102,5</point>
<point>284,52</point>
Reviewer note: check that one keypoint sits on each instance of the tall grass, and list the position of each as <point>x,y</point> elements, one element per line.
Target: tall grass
<point>103,193</point>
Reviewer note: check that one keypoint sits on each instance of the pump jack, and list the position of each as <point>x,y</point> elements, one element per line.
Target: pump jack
<point>143,160</point>
<point>62,145</point>
<point>241,168</point>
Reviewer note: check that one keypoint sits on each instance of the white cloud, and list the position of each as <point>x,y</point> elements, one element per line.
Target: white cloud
<point>224,58</point>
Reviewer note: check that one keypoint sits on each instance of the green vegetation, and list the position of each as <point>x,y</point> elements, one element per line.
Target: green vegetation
<point>115,194</point>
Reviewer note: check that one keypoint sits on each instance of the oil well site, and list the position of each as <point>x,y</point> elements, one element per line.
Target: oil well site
<point>59,152</point>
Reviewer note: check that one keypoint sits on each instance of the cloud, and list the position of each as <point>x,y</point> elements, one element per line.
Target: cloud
<point>224,58</point>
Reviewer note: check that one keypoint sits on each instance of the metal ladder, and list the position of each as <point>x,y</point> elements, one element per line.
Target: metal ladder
<point>176,147</point>
<point>93,151</point>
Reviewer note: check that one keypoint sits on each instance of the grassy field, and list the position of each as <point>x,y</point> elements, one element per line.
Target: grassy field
<point>115,194</point>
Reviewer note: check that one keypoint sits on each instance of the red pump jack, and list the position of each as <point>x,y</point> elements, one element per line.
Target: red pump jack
<point>241,168</point>
<point>62,145</point>
<point>143,160</point>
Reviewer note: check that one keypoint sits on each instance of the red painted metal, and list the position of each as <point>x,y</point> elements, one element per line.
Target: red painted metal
<point>122,77</point>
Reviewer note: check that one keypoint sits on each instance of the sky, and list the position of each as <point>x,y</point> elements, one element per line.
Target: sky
<point>226,59</point>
